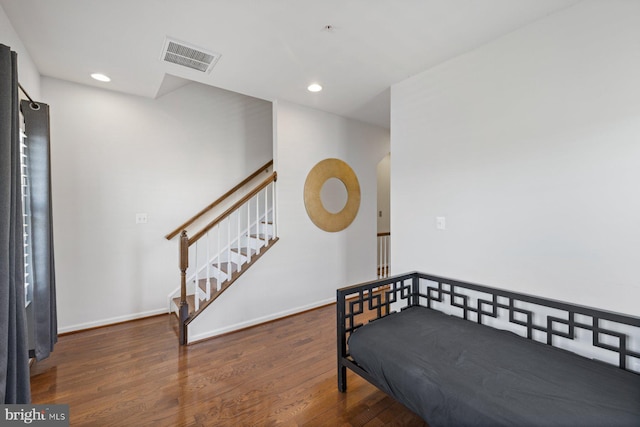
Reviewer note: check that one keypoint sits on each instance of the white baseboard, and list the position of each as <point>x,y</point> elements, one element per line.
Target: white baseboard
<point>105,322</point>
<point>257,321</point>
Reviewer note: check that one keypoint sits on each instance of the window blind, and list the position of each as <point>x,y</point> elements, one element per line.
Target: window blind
<point>26,214</point>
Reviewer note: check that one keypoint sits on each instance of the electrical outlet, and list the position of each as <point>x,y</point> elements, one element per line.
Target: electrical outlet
<point>441,223</point>
<point>141,218</point>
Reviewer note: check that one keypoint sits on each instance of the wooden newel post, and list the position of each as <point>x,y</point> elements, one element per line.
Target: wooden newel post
<point>184,306</point>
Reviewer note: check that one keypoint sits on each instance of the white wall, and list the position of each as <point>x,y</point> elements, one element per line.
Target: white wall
<point>304,269</point>
<point>529,146</point>
<point>28,74</point>
<point>114,155</point>
<point>384,194</point>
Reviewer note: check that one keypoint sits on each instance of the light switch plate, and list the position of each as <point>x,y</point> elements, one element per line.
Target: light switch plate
<point>441,223</point>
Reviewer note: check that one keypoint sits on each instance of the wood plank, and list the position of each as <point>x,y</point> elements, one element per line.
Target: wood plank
<point>279,373</point>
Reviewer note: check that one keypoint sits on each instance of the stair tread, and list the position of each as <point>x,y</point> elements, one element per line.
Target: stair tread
<point>202,283</point>
<point>191,301</point>
<point>224,267</point>
<point>216,266</point>
<point>244,251</point>
<point>260,236</point>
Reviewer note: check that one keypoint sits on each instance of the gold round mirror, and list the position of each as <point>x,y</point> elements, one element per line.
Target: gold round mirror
<point>324,215</point>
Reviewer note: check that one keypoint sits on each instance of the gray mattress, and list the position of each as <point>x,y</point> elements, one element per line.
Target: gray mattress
<point>454,372</point>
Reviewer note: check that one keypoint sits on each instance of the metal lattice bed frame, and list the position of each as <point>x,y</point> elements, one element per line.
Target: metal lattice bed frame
<point>615,338</point>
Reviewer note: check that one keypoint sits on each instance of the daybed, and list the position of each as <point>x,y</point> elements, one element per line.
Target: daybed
<point>460,354</point>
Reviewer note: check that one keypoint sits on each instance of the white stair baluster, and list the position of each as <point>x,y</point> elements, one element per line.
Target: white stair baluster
<point>238,240</point>
<point>257,223</point>
<point>196,297</point>
<point>229,247</point>
<point>264,220</point>
<point>208,285</point>
<point>387,240</point>
<point>218,280</point>
<point>273,209</point>
<point>248,230</point>
<point>378,255</point>
<point>384,258</point>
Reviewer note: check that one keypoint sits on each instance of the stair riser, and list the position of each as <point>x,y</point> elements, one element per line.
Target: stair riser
<point>253,243</point>
<point>238,258</point>
<point>202,295</point>
<point>215,274</point>
<point>266,229</point>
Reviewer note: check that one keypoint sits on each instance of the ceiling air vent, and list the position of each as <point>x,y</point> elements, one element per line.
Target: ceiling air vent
<point>189,56</point>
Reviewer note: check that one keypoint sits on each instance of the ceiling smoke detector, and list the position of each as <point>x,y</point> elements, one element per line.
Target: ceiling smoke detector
<point>189,56</point>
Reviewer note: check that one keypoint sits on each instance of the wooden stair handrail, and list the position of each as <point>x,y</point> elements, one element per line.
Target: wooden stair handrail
<point>272,178</point>
<point>193,219</point>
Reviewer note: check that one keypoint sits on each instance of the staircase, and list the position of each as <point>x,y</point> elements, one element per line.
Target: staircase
<point>214,276</point>
<point>223,249</point>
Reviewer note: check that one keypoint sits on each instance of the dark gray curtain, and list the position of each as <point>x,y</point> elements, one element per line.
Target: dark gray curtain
<point>44,318</point>
<point>14,352</point>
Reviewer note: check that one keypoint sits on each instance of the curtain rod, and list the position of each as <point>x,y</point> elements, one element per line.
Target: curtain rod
<point>34,105</point>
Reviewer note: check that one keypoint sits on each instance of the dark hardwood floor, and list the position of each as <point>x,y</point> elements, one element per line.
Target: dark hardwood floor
<point>280,373</point>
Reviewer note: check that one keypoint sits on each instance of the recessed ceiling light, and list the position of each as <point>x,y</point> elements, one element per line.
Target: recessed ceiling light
<point>100,77</point>
<point>314,87</point>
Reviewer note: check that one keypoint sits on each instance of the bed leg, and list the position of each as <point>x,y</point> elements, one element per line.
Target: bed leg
<point>342,378</point>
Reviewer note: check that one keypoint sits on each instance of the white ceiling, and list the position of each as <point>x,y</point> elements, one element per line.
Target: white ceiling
<point>271,49</point>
